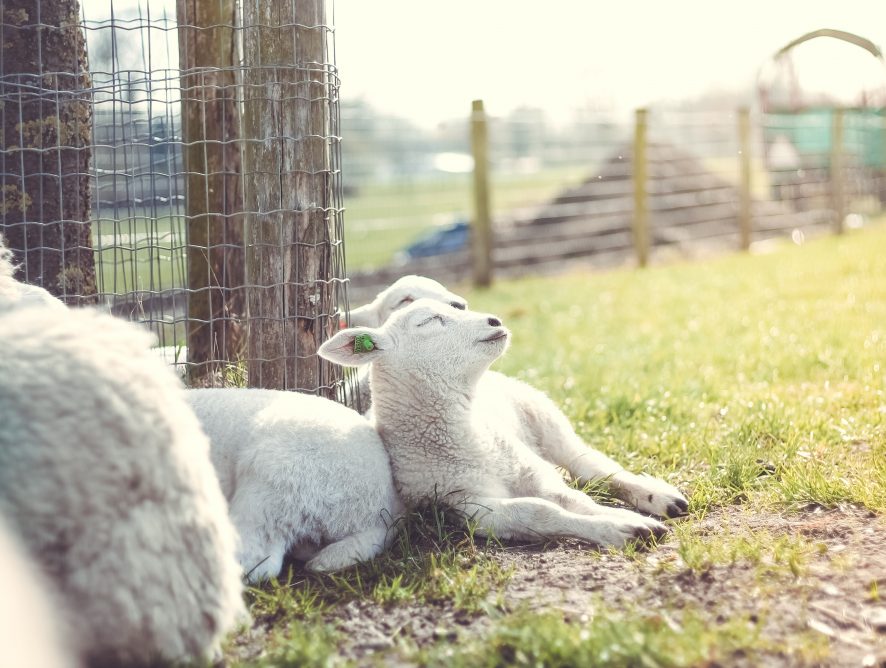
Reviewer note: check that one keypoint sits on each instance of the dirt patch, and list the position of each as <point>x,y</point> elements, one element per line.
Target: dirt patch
<point>833,593</point>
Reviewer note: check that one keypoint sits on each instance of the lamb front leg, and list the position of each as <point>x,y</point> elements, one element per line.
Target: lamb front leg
<point>530,518</point>
<point>644,492</point>
<point>557,442</point>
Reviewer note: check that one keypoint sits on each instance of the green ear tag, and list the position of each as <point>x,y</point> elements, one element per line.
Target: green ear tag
<point>363,343</point>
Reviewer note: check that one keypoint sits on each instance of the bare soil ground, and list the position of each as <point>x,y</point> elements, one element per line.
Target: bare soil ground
<point>831,596</point>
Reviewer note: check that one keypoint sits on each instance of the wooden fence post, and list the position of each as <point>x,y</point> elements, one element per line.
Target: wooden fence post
<point>288,193</point>
<point>745,220</point>
<point>838,194</point>
<point>640,221</point>
<point>481,230</point>
<point>211,153</point>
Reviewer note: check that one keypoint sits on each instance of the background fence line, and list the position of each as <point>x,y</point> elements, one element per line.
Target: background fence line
<point>714,180</point>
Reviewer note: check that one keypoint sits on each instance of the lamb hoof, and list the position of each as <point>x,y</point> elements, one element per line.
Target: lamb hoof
<point>651,531</point>
<point>677,508</point>
<point>656,497</point>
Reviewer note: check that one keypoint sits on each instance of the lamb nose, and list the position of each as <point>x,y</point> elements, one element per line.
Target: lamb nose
<point>494,322</point>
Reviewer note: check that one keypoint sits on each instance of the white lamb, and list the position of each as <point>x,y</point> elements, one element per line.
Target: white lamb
<point>106,477</point>
<point>402,292</point>
<point>474,450</point>
<point>550,435</point>
<point>301,474</point>
<point>30,629</point>
<point>14,294</point>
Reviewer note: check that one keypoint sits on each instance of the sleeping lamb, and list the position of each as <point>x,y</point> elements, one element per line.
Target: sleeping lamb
<point>551,436</point>
<point>302,474</point>
<point>476,450</point>
<point>105,476</point>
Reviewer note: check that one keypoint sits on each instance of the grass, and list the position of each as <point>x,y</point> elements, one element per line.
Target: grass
<point>605,637</point>
<point>749,379</point>
<point>755,383</point>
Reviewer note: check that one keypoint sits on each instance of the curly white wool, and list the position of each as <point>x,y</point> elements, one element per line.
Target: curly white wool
<point>301,474</point>
<point>106,477</point>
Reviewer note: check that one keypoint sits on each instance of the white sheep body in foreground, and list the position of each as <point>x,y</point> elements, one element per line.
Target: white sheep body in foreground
<point>105,475</point>
<point>14,294</point>
<point>471,449</point>
<point>31,633</point>
<point>302,474</point>
<point>546,429</point>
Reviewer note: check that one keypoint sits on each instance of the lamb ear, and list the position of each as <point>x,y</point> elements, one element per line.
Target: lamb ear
<point>364,316</point>
<point>345,349</point>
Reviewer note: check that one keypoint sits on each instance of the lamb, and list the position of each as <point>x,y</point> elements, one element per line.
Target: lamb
<point>30,630</point>
<point>301,474</point>
<point>468,447</point>
<point>550,435</point>
<point>402,292</point>
<point>106,477</point>
<point>14,294</point>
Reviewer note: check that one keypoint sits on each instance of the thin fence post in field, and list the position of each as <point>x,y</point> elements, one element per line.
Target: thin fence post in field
<point>481,230</point>
<point>214,200</point>
<point>838,192</point>
<point>640,220</point>
<point>289,193</point>
<point>745,219</point>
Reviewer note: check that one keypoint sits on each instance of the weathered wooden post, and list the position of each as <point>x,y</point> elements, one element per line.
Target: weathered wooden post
<point>211,153</point>
<point>640,221</point>
<point>838,193</point>
<point>481,230</point>
<point>745,215</point>
<point>288,182</point>
<point>45,151</point>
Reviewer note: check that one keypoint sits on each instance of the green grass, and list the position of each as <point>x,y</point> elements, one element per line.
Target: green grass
<point>755,383</point>
<point>746,379</point>
<point>608,637</point>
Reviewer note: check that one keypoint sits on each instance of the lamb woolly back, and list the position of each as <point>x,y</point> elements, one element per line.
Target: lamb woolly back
<point>549,433</point>
<point>302,474</point>
<point>469,448</point>
<point>105,472</point>
<point>30,624</point>
<point>14,294</point>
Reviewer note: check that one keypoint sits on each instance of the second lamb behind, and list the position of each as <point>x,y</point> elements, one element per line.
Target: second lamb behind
<point>301,474</point>
<point>470,449</point>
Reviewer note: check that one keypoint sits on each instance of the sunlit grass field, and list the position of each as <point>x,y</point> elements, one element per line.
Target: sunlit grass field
<point>755,383</point>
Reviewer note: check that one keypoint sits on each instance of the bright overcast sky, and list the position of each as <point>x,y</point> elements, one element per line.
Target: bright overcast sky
<point>427,61</point>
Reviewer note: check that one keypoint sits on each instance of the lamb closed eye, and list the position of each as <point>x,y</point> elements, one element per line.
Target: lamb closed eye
<point>433,317</point>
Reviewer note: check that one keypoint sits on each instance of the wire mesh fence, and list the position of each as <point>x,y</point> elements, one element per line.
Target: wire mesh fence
<point>187,177</point>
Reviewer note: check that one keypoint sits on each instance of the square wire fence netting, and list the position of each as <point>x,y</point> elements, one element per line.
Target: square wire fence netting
<point>178,164</point>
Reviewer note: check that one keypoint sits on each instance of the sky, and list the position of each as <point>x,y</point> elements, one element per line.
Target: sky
<point>426,61</point>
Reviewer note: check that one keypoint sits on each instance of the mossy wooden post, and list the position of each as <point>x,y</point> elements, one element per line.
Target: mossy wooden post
<point>45,150</point>
<point>210,125</point>
<point>640,221</point>
<point>745,215</point>
<point>838,192</point>
<point>481,229</point>
<point>287,121</point>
